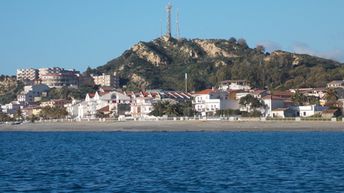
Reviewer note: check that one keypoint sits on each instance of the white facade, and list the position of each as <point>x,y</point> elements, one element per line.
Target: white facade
<point>336,84</point>
<point>106,80</point>
<point>309,110</point>
<point>234,85</point>
<point>93,102</point>
<point>27,74</point>
<point>142,106</point>
<point>271,103</point>
<point>59,77</point>
<point>31,92</point>
<point>209,101</point>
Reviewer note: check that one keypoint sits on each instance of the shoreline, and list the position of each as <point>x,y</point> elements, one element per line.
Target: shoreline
<point>175,126</point>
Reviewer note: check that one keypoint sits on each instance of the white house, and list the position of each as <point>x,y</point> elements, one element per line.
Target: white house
<point>210,100</point>
<point>272,102</point>
<point>234,85</point>
<point>336,84</point>
<point>309,110</point>
<point>142,106</point>
<point>30,93</point>
<point>117,103</point>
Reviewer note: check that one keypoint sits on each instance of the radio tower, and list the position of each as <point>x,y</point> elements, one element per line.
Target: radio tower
<point>168,10</point>
<point>177,25</point>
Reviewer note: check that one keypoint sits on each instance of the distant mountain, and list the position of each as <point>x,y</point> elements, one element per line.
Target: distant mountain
<point>161,63</point>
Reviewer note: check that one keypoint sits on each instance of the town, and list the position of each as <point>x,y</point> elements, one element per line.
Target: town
<point>230,98</point>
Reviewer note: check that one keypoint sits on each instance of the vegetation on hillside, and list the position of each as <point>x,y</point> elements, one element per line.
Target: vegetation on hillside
<point>162,64</point>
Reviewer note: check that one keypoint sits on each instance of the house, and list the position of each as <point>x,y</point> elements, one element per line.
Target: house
<point>142,106</point>
<point>308,110</point>
<point>272,102</point>
<point>119,104</point>
<point>336,84</point>
<point>283,112</point>
<point>208,101</point>
<point>12,107</point>
<point>234,85</point>
<point>33,93</point>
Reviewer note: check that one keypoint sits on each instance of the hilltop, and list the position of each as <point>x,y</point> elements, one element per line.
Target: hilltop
<point>161,63</point>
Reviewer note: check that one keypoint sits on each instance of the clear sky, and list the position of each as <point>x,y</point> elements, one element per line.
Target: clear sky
<point>81,33</point>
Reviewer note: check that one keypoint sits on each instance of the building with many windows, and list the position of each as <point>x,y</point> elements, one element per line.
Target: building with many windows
<point>29,74</point>
<point>110,80</point>
<point>59,77</point>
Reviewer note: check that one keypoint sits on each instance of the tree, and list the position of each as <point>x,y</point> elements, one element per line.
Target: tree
<point>330,95</point>
<point>173,109</point>
<point>260,49</point>
<point>298,98</point>
<point>251,103</point>
<point>242,42</point>
<point>53,112</point>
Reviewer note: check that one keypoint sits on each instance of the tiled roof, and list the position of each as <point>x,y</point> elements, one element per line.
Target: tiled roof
<point>206,91</point>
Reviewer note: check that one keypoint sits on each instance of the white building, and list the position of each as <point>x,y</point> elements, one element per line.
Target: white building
<point>106,80</point>
<point>59,77</point>
<point>208,101</point>
<point>336,84</point>
<point>272,103</point>
<point>234,85</point>
<point>309,110</point>
<point>27,74</point>
<point>142,106</point>
<point>118,104</point>
<point>32,93</point>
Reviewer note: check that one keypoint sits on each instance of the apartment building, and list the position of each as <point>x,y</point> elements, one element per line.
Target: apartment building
<point>110,80</point>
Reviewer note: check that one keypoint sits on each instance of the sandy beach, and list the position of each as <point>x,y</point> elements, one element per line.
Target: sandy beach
<point>138,126</point>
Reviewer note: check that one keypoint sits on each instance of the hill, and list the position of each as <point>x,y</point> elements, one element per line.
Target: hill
<point>9,88</point>
<point>161,63</point>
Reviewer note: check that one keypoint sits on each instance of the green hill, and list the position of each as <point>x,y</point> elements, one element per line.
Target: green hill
<point>161,63</point>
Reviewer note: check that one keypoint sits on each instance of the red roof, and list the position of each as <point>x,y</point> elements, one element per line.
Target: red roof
<point>91,95</point>
<point>206,91</point>
<point>104,109</point>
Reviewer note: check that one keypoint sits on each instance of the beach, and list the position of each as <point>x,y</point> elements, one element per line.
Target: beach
<point>139,126</point>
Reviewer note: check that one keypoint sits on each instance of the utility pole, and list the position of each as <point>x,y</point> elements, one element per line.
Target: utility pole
<point>186,82</point>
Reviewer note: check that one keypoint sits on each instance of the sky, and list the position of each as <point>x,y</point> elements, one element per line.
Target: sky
<point>81,33</point>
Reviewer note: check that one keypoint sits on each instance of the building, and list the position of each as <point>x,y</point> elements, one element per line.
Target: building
<point>309,110</point>
<point>336,84</point>
<point>234,85</point>
<point>54,103</point>
<point>30,74</point>
<point>110,80</point>
<point>33,93</point>
<point>142,106</point>
<point>59,77</point>
<point>272,103</point>
<point>207,102</point>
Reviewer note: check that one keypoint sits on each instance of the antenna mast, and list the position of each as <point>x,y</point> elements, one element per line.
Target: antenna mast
<point>177,25</point>
<point>168,10</point>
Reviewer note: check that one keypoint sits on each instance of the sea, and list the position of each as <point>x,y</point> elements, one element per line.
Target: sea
<point>172,162</point>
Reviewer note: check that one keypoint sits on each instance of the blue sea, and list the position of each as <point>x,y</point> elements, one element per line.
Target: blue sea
<point>172,162</point>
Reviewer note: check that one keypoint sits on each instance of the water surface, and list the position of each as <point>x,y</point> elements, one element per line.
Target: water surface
<point>171,162</point>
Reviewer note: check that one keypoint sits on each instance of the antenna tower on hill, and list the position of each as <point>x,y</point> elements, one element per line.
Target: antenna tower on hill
<point>169,11</point>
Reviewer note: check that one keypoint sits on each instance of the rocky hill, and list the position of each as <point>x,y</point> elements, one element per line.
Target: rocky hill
<point>161,63</point>
<point>9,88</point>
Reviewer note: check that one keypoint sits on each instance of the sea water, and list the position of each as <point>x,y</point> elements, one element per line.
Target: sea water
<point>171,162</point>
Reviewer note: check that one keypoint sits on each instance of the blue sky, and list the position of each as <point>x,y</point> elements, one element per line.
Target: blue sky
<point>81,33</point>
